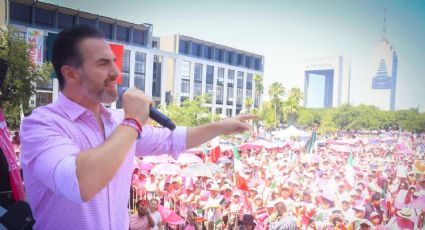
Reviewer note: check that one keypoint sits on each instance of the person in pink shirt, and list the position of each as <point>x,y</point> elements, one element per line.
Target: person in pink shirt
<point>77,154</point>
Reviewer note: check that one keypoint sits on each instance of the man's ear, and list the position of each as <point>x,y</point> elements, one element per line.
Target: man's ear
<point>68,73</point>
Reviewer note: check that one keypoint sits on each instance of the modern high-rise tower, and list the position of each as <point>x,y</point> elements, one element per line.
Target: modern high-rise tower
<point>384,82</point>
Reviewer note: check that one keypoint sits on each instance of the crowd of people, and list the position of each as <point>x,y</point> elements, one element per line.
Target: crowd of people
<point>348,182</point>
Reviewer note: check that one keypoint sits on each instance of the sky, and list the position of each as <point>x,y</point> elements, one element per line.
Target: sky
<point>286,32</point>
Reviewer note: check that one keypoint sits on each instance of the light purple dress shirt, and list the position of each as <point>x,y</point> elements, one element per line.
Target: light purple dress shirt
<point>52,137</point>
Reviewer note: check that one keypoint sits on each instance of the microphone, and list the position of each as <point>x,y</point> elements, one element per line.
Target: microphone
<point>155,114</point>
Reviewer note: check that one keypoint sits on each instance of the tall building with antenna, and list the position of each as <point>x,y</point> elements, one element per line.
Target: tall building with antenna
<point>384,82</point>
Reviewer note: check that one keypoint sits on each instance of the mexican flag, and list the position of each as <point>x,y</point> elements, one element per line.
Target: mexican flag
<point>240,180</point>
<point>310,143</point>
<point>349,170</point>
<point>215,150</point>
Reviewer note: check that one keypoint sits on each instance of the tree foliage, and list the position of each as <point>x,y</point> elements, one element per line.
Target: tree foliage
<point>291,105</point>
<point>21,78</point>
<point>361,117</point>
<point>190,112</point>
<point>276,92</point>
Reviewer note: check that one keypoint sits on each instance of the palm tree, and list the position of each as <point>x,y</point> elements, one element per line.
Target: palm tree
<point>248,104</point>
<point>259,87</point>
<point>276,91</point>
<point>296,94</point>
<point>291,106</point>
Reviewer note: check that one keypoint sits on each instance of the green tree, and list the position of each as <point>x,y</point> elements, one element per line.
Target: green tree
<point>267,115</point>
<point>276,91</point>
<point>190,112</point>
<point>21,78</point>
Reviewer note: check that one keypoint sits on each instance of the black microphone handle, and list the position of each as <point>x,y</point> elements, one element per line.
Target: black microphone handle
<point>159,117</point>
<point>155,114</point>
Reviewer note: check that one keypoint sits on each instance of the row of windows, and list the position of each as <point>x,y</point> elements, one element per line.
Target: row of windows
<point>185,73</point>
<point>46,18</point>
<point>219,54</point>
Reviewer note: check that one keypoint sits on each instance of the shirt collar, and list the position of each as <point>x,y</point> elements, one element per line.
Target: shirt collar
<point>74,110</point>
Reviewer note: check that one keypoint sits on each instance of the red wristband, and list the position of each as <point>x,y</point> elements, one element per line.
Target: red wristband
<point>135,121</point>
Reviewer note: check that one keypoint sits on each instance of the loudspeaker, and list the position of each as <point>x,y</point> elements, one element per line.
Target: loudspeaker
<point>6,198</point>
<point>18,217</point>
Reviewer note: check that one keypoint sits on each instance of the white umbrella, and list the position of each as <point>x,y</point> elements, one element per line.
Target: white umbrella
<point>188,158</point>
<point>207,170</point>
<point>166,169</point>
<point>156,159</point>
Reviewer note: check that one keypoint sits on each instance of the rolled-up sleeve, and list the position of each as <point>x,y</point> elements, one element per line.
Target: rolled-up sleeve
<point>48,155</point>
<point>156,141</point>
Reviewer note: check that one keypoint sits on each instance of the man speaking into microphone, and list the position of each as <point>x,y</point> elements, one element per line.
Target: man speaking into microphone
<point>77,155</point>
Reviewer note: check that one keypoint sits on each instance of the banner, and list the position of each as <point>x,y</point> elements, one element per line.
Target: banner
<point>119,53</point>
<point>9,152</point>
<point>35,40</point>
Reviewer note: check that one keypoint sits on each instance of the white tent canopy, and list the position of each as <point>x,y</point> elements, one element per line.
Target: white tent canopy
<point>289,132</point>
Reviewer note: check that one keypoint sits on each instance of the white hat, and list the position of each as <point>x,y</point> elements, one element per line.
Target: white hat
<point>236,193</point>
<point>215,187</point>
<point>405,213</point>
<point>359,208</point>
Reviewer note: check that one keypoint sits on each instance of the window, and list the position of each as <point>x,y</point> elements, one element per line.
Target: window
<point>209,91</point>
<point>229,112</point>
<point>218,54</point>
<point>257,63</point>
<point>230,95</point>
<point>123,34</point>
<point>249,93</point>
<point>198,72</point>
<point>239,96</point>
<point>86,21</point>
<point>106,28</point>
<point>240,59</point>
<point>198,89</point>
<point>139,37</point>
<point>248,62</point>
<point>208,52</point>
<point>125,79</point>
<point>43,17</point>
<point>43,98</point>
<point>184,47</point>
<point>140,64</point>
<point>66,21</point>
<point>47,85</point>
<point>210,74</point>
<point>240,79</point>
<point>220,76</point>
<point>196,49</point>
<point>19,35</point>
<point>219,98</point>
<point>139,81</point>
<point>20,12</point>
<point>230,77</point>
<point>229,57</point>
<point>185,87</point>
<point>156,76</point>
<point>140,70</point>
<point>185,69</point>
<point>249,81</point>
<point>126,62</point>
